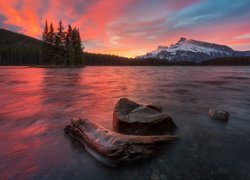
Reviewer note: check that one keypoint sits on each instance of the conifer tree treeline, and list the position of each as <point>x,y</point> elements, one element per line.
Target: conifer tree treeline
<point>61,47</point>
<point>18,49</point>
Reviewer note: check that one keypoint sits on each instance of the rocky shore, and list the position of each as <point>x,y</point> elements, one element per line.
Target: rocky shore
<point>139,132</point>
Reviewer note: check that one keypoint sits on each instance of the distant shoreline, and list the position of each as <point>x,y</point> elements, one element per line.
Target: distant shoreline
<point>77,67</point>
<point>54,66</point>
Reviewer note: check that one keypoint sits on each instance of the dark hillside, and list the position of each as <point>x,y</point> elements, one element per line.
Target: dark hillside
<point>18,49</point>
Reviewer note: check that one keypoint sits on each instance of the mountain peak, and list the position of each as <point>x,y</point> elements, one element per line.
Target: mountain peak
<point>182,39</point>
<point>192,50</point>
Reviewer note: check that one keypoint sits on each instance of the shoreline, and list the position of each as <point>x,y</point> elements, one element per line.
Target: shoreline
<point>54,66</point>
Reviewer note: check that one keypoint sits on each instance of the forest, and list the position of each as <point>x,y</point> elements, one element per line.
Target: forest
<point>228,61</point>
<point>64,48</point>
<point>61,48</point>
<point>18,49</point>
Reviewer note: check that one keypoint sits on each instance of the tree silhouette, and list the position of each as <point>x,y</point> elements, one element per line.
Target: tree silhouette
<point>51,35</point>
<point>70,54</point>
<point>64,47</point>
<point>45,46</point>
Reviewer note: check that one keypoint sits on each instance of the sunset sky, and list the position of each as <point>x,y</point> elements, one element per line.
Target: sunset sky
<point>134,27</point>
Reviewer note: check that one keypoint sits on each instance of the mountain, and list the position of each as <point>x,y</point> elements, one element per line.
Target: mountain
<point>194,51</point>
<point>18,40</point>
<point>18,49</point>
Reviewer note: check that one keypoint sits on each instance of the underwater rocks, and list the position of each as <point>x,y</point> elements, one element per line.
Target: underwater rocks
<point>218,114</point>
<point>133,118</point>
<point>114,146</point>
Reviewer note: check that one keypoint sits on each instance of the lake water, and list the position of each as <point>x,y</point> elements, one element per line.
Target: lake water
<point>36,104</point>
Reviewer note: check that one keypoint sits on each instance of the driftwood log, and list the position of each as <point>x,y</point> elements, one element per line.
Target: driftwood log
<point>112,145</point>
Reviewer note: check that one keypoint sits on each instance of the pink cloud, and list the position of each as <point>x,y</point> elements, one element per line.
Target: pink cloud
<point>127,27</point>
<point>25,16</point>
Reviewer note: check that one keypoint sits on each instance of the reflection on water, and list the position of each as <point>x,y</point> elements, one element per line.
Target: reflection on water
<point>35,105</point>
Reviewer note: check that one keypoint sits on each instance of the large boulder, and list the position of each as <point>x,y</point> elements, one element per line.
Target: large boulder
<point>132,118</point>
<point>218,114</point>
<point>155,107</point>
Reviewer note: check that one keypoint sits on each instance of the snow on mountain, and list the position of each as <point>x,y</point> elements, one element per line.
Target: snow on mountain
<point>192,50</point>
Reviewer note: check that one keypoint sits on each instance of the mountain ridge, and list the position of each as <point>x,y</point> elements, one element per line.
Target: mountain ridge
<point>17,39</point>
<point>19,49</point>
<point>192,50</point>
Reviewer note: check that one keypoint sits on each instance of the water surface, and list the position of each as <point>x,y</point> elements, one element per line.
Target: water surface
<point>36,104</point>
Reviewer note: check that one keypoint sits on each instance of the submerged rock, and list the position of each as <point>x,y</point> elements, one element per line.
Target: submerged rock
<point>132,118</point>
<point>112,146</point>
<point>218,114</point>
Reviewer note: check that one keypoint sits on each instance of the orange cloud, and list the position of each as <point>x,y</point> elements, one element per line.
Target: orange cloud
<point>24,16</point>
<point>128,27</point>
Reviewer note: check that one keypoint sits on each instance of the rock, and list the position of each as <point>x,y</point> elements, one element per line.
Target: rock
<point>218,114</point>
<point>108,146</point>
<point>154,107</point>
<point>132,118</point>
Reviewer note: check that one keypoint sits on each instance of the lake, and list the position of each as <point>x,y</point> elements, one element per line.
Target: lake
<point>36,104</point>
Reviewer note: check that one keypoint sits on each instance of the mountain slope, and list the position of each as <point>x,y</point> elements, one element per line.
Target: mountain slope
<point>18,40</point>
<point>192,50</point>
<point>18,49</point>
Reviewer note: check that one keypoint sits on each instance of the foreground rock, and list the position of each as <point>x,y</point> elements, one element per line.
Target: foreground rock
<point>218,114</point>
<point>113,146</point>
<point>132,118</point>
<point>154,107</point>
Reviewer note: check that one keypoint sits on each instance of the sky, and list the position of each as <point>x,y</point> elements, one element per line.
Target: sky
<point>134,27</point>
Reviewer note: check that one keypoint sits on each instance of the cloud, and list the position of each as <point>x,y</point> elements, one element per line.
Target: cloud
<point>211,12</point>
<point>243,36</point>
<point>196,19</point>
<point>132,27</point>
<point>23,15</point>
<point>7,26</point>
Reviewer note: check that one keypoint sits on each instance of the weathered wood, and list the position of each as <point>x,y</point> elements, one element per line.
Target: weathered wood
<point>113,145</point>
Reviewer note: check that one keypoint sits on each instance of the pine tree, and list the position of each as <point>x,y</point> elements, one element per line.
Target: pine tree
<point>69,54</point>
<point>79,48</point>
<point>51,35</point>
<point>61,35</point>
<point>62,48</point>
<point>45,46</point>
<point>45,32</point>
<point>68,37</point>
<point>73,44</point>
<point>60,44</point>
<point>51,42</point>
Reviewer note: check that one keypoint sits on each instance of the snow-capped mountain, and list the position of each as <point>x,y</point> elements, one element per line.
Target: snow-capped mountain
<point>192,50</point>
